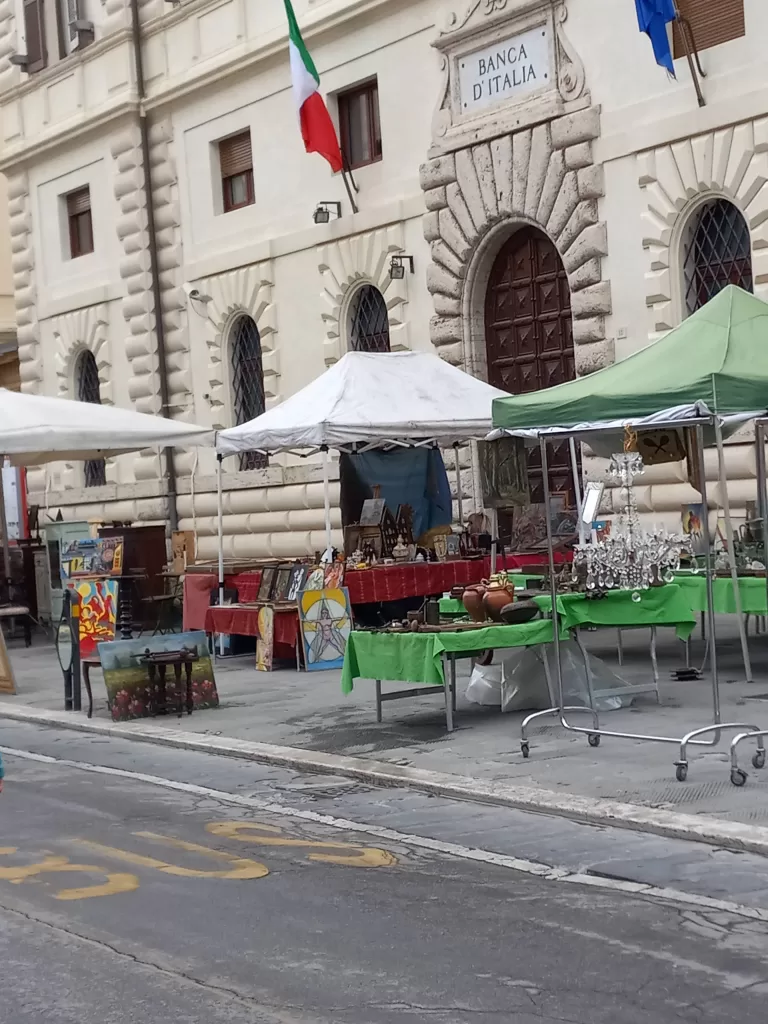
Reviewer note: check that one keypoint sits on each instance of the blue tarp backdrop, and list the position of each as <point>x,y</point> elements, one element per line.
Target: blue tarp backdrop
<point>410,476</point>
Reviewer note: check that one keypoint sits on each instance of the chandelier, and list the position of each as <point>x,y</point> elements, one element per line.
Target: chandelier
<point>629,558</point>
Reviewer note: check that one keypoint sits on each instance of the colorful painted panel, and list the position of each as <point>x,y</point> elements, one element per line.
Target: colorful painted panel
<point>102,556</point>
<point>127,680</point>
<point>325,620</point>
<point>265,642</point>
<point>98,612</point>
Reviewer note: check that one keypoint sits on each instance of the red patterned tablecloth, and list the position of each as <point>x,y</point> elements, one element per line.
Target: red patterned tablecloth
<point>418,579</point>
<point>366,586</point>
<point>242,620</point>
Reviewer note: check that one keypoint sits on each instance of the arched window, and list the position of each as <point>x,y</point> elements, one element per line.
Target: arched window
<point>89,390</point>
<point>716,252</point>
<point>368,321</point>
<point>247,381</point>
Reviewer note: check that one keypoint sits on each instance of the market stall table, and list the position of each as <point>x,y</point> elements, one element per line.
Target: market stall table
<point>420,657</point>
<point>243,620</point>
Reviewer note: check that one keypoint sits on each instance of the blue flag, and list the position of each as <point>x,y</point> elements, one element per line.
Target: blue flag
<point>653,16</point>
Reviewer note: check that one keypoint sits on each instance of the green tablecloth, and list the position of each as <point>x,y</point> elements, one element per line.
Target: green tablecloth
<point>416,657</point>
<point>658,606</point>
<point>751,588</point>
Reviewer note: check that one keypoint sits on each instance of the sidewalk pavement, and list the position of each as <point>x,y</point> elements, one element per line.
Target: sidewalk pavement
<point>303,720</point>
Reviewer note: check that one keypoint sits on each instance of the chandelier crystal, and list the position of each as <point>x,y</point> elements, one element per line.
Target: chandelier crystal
<point>630,558</point>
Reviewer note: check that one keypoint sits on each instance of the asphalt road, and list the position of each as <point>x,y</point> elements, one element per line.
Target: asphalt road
<point>124,900</point>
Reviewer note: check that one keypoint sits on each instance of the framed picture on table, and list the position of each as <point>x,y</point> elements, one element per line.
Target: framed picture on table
<point>282,582</point>
<point>268,574</point>
<point>296,582</point>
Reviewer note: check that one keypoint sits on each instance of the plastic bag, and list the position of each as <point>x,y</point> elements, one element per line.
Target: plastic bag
<point>524,681</point>
<point>484,686</point>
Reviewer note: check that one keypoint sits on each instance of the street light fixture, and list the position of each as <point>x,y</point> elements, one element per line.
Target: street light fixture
<point>397,267</point>
<point>322,214</point>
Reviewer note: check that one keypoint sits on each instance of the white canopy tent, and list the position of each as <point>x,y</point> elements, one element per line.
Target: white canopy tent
<point>35,429</point>
<point>375,399</point>
<point>368,400</point>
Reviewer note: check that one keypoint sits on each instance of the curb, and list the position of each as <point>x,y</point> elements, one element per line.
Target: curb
<point>730,835</point>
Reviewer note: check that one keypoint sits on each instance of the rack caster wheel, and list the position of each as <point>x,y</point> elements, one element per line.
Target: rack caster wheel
<point>681,772</point>
<point>525,750</point>
<point>593,739</point>
<point>738,776</point>
<point>758,759</point>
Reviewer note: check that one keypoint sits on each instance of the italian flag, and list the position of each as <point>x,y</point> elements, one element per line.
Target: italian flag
<point>317,128</point>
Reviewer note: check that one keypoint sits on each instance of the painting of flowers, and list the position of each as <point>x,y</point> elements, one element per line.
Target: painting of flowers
<point>127,679</point>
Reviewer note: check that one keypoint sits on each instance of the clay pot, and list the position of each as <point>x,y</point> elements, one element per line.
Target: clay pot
<point>472,598</point>
<point>498,595</point>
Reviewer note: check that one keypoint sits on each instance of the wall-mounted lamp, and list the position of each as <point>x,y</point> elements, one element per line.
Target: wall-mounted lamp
<point>323,212</point>
<point>21,60</point>
<point>397,267</point>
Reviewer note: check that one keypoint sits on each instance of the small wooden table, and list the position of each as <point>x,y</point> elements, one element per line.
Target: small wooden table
<point>157,665</point>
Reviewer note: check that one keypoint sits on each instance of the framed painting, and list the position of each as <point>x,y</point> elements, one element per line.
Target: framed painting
<point>282,582</point>
<point>315,578</point>
<point>325,621</point>
<point>268,574</point>
<point>127,681</point>
<point>296,583</point>
<point>334,576</point>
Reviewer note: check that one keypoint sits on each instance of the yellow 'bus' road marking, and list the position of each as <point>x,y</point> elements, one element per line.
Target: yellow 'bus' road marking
<point>115,883</point>
<point>242,868</point>
<point>249,832</point>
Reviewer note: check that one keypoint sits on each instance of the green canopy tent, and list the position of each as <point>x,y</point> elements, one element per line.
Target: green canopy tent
<point>714,365</point>
<point>717,358</point>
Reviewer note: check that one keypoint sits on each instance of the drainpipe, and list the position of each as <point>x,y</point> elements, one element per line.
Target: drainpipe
<point>170,465</point>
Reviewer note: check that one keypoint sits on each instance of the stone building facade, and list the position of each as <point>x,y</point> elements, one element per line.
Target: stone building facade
<point>563,201</point>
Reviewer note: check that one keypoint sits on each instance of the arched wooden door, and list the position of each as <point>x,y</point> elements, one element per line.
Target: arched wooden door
<point>529,336</point>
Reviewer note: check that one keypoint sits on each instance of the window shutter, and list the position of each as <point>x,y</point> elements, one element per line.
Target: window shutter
<point>34,29</point>
<point>235,155</point>
<point>712,22</point>
<point>79,202</point>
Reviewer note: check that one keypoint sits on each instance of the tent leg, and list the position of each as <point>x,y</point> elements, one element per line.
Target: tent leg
<point>328,557</point>
<point>762,502</point>
<point>457,463</point>
<point>577,489</point>
<point>732,550</point>
<point>220,510</point>
<point>4,527</point>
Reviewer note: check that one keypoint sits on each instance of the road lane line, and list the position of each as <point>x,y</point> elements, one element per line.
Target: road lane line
<point>536,868</point>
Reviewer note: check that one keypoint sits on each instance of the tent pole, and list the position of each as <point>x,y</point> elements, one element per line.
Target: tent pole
<point>577,489</point>
<point>457,463</point>
<point>762,503</point>
<point>4,527</point>
<point>220,510</point>
<point>731,549</point>
<point>327,505</point>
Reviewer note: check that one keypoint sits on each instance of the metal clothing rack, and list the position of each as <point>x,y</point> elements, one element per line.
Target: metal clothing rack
<point>692,738</point>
